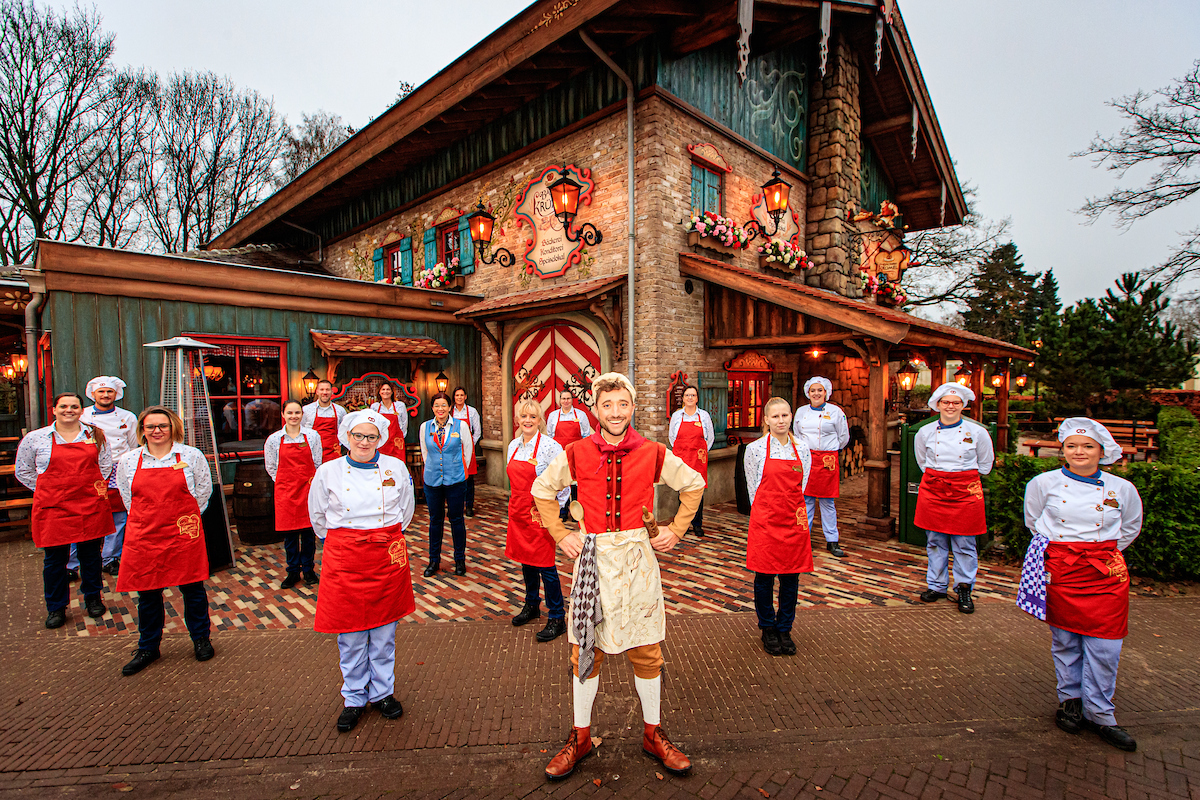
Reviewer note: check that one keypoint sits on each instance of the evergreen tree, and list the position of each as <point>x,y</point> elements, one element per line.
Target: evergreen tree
<point>1046,294</point>
<point>999,304</point>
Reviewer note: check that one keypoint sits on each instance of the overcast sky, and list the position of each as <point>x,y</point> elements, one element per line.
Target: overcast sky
<point>1018,86</point>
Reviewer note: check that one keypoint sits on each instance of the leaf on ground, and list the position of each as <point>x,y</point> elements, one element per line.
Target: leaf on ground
<point>596,781</point>
<point>420,663</point>
<point>596,741</point>
<point>658,775</point>
<point>295,785</point>
<point>970,730</point>
<point>763,792</point>
<point>123,787</point>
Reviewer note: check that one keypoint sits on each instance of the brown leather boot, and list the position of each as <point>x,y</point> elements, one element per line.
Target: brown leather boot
<point>577,748</point>
<point>656,745</point>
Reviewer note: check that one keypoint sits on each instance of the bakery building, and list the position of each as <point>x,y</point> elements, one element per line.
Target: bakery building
<point>570,197</point>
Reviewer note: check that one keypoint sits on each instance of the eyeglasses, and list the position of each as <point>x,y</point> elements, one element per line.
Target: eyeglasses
<point>166,426</point>
<point>369,438</point>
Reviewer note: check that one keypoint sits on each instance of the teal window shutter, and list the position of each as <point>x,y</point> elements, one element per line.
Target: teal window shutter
<point>706,190</point>
<point>377,257</point>
<point>466,247</point>
<point>430,247</point>
<point>714,398</point>
<point>406,269</point>
<point>697,190</point>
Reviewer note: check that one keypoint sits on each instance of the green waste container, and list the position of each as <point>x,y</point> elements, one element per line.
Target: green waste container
<point>910,481</point>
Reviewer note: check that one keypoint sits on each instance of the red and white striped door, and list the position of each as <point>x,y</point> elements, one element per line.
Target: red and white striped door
<point>554,356</point>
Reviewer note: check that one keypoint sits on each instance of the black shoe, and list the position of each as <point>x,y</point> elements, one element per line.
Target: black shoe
<point>431,570</point>
<point>931,596</point>
<point>1115,735</point>
<point>111,567</point>
<point>554,629</point>
<point>389,707</point>
<point>291,580</point>
<point>470,511</point>
<point>56,619</point>
<point>698,531</point>
<point>786,646</point>
<point>203,649</point>
<point>72,575</point>
<point>141,660</point>
<point>771,643</point>
<point>95,607</point>
<point>965,604</point>
<point>836,549</point>
<point>311,578</point>
<point>349,718</point>
<point>1070,715</point>
<point>528,614</point>
<point>460,567</point>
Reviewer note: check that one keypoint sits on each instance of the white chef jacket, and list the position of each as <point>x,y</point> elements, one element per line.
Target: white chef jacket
<point>552,420</point>
<point>347,496</point>
<point>401,412</point>
<point>271,448</point>
<point>822,428</point>
<point>119,426</point>
<point>755,460</point>
<point>706,424</point>
<point>469,415</point>
<point>1065,507</point>
<point>546,451</point>
<point>33,454</point>
<point>960,447</point>
<point>313,410</point>
<point>198,475</point>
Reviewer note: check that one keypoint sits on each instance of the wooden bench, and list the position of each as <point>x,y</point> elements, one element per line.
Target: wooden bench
<point>1133,436</point>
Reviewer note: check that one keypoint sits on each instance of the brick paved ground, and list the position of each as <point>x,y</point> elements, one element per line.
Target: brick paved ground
<point>904,701</point>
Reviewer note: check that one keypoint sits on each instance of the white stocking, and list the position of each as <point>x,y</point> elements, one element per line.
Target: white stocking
<point>584,695</point>
<point>650,692</point>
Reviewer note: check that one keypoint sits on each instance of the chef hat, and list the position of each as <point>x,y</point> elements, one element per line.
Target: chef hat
<point>1083,426</point>
<point>105,382</point>
<point>358,418</point>
<point>823,382</point>
<point>958,390</point>
<point>610,377</point>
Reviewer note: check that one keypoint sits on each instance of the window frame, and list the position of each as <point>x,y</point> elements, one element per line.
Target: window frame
<point>712,174</point>
<point>745,406</point>
<point>441,232</point>
<point>391,261</point>
<point>226,340</point>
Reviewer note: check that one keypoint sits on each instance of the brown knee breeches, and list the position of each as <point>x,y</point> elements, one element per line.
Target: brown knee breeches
<point>647,660</point>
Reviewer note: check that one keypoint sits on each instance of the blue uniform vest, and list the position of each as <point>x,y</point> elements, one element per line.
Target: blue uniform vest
<point>445,466</point>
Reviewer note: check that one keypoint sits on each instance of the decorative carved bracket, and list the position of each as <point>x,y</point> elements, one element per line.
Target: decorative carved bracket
<point>497,339</point>
<point>611,323</point>
<point>331,367</point>
<point>857,348</point>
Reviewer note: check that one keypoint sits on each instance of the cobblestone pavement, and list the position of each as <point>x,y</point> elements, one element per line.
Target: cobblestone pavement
<point>903,701</point>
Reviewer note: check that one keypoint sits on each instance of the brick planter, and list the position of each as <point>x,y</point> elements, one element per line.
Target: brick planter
<point>695,239</point>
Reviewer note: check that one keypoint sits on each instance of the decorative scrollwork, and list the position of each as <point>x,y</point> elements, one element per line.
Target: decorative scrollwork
<point>588,232</point>
<point>528,386</point>
<point>777,98</point>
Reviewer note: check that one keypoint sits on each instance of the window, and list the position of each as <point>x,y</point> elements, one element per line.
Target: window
<point>707,190</point>
<point>391,262</point>
<point>747,394</point>
<point>247,384</point>
<point>447,242</point>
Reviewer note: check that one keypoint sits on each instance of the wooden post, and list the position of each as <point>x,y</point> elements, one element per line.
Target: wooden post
<point>879,524</point>
<point>1002,409</point>
<point>937,368</point>
<point>977,387</point>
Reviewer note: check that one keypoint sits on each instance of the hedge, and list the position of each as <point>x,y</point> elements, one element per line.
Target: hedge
<point>1178,437</point>
<point>1169,544</point>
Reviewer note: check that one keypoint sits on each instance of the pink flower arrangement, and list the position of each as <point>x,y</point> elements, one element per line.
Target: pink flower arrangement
<point>438,276</point>
<point>723,229</point>
<point>784,254</point>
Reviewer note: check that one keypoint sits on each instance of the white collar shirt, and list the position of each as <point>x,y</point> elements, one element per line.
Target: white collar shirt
<point>197,475</point>
<point>1065,508</point>
<point>33,454</point>
<point>822,428</point>
<point>401,412</point>
<point>701,416</point>
<point>346,496</point>
<point>469,415</point>
<point>279,437</point>
<point>963,446</point>
<point>574,415</point>
<point>314,410</point>
<point>547,450</point>
<point>755,460</point>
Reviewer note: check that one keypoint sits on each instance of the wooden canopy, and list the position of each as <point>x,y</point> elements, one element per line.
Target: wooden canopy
<point>357,345</point>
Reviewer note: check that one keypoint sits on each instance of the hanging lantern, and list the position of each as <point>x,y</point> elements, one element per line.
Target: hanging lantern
<point>997,380</point>
<point>962,376</point>
<point>482,224</point>
<point>906,376</point>
<point>20,365</point>
<point>776,192</point>
<point>442,382</point>
<point>310,381</point>
<point>1022,379</point>
<point>564,192</point>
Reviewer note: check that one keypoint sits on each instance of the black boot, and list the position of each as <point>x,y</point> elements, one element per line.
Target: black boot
<point>1070,715</point>
<point>141,660</point>
<point>965,604</point>
<point>349,718</point>
<point>554,629</point>
<point>771,643</point>
<point>528,613</point>
<point>432,569</point>
<point>460,568</point>
<point>1115,735</point>
<point>836,549</point>
<point>932,596</point>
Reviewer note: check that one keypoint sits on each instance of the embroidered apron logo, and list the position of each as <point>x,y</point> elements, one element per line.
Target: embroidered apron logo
<point>702,455</point>
<point>101,488</point>
<point>975,489</point>
<point>829,462</point>
<point>398,553</point>
<point>189,526</point>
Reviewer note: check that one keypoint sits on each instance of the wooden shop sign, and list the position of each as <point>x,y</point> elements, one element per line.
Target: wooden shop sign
<point>548,253</point>
<point>675,392</point>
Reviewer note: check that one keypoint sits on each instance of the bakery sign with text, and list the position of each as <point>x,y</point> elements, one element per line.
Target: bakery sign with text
<point>548,252</point>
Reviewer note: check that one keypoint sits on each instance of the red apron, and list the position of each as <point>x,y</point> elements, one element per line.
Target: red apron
<point>1088,589</point>
<point>70,503</point>
<point>115,504</point>
<point>951,503</point>
<point>527,542</point>
<point>568,430</point>
<point>293,477</point>
<point>825,478</point>
<point>691,447</point>
<point>327,429</point>
<point>164,539</point>
<point>365,580</point>
<point>778,541</point>
<point>394,446</point>
<point>472,465</point>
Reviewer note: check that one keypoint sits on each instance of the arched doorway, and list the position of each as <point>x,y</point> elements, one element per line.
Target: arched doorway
<point>554,356</point>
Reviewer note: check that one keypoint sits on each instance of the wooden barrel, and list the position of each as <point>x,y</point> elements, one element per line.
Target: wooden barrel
<point>254,504</point>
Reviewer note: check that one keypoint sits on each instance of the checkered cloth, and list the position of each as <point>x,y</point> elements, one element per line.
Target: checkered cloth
<point>586,613</point>
<point>1031,593</point>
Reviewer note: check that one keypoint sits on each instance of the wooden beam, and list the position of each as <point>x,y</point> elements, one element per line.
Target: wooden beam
<point>716,26</point>
<point>878,485</point>
<point>496,339</point>
<point>797,299</point>
<point>1002,411</point>
<point>859,349</point>
<point>889,125</point>
<point>928,192</point>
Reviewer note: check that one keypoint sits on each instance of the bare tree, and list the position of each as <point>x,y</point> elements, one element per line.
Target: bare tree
<point>948,259</point>
<point>213,155</point>
<point>54,87</point>
<point>307,143</point>
<point>1163,132</point>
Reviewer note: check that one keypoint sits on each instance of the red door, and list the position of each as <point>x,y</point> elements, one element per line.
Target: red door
<point>554,356</point>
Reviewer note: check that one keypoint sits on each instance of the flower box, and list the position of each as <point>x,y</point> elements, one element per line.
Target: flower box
<point>694,239</point>
<point>775,266</point>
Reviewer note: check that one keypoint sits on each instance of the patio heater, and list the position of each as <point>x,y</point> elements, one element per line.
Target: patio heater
<point>184,390</point>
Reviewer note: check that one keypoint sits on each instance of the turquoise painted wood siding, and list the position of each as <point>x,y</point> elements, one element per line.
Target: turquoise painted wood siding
<point>770,108</point>
<point>873,185</point>
<point>98,335</point>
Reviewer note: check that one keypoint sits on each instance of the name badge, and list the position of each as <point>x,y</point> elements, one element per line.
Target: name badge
<point>179,465</point>
<point>454,436</point>
<point>389,482</point>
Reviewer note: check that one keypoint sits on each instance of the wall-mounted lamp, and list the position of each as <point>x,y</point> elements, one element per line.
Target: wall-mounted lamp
<point>564,192</point>
<point>815,352</point>
<point>310,381</point>
<point>962,375</point>
<point>442,382</point>
<point>997,380</point>
<point>776,193</point>
<point>1022,379</point>
<point>20,365</point>
<point>481,223</point>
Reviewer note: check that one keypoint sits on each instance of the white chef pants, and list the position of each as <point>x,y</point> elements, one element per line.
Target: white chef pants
<point>1086,667</point>
<point>368,661</point>
<point>828,515</point>
<point>966,560</point>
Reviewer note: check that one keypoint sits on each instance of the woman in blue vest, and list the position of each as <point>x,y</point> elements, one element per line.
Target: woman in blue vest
<point>447,449</point>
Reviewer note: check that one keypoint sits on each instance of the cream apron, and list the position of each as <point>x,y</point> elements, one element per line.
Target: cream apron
<point>631,594</point>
